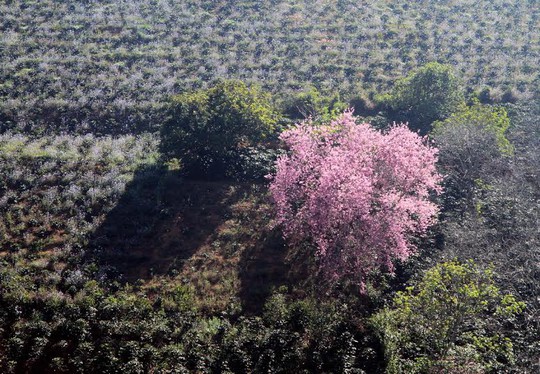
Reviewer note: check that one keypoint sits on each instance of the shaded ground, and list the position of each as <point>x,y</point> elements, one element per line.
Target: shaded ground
<point>215,237</point>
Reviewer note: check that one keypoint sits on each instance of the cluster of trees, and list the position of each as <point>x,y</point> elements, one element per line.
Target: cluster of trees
<point>338,193</point>
<point>490,210</point>
<point>73,324</point>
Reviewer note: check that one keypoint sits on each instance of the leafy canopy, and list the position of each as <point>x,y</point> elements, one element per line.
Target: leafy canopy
<point>313,104</point>
<point>489,118</point>
<point>473,151</point>
<point>209,130</point>
<point>450,319</point>
<point>354,193</point>
<point>431,93</point>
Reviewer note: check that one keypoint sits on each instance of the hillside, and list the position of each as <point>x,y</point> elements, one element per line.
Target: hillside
<point>241,186</point>
<point>99,240</point>
<point>108,66</point>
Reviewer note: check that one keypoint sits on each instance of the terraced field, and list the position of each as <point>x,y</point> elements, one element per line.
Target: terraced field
<point>108,66</point>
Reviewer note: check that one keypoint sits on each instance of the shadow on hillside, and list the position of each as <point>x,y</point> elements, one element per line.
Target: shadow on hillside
<point>161,220</point>
<point>199,231</point>
<point>262,269</point>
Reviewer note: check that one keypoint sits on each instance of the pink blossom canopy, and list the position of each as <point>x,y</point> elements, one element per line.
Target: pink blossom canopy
<point>357,194</point>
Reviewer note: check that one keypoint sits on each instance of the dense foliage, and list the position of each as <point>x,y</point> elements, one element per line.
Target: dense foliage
<point>451,321</point>
<point>69,322</point>
<point>210,130</point>
<point>314,105</point>
<point>474,149</point>
<point>429,94</point>
<point>492,119</point>
<point>495,219</point>
<point>109,66</point>
<point>356,194</point>
<point>61,313</point>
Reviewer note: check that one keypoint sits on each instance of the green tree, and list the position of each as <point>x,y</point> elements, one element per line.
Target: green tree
<point>429,94</point>
<point>473,151</point>
<point>490,118</point>
<point>209,130</point>
<point>452,319</point>
<point>311,103</point>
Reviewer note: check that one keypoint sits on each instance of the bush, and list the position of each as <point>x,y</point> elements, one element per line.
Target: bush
<point>490,118</point>
<point>298,336</point>
<point>428,94</point>
<point>451,320</point>
<point>312,104</point>
<point>208,130</point>
<point>473,146</point>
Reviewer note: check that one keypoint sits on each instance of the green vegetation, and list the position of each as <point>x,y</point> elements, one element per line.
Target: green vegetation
<point>138,233</point>
<point>73,325</point>
<point>209,130</point>
<point>113,262</point>
<point>491,119</point>
<point>110,66</point>
<point>429,94</point>
<point>474,149</point>
<point>312,104</point>
<point>494,219</point>
<point>450,320</point>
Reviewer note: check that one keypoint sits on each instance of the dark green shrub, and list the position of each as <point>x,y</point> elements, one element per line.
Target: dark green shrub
<point>210,130</point>
<point>428,94</point>
<point>313,104</point>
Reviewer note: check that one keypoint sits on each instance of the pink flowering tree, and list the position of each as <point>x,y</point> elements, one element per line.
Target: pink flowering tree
<point>355,194</point>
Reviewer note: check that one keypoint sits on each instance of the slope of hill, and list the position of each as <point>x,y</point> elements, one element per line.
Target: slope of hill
<point>108,66</point>
<point>114,257</point>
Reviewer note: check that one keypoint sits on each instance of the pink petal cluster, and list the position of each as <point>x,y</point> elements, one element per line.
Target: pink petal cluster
<point>357,194</point>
